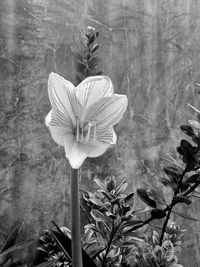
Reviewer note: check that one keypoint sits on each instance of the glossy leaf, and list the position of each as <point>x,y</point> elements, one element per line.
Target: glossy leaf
<point>12,237</point>
<point>142,193</point>
<point>97,215</point>
<point>121,188</point>
<point>187,130</point>
<point>158,213</point>
<point>156,196</point>
<point>94,48</point>
<point>172,173</point>
<point>129,198</point>
<point>100,184</point>
<point>193,178</point>
<point>181,199</point>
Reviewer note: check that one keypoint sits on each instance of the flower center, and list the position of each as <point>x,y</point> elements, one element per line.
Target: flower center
<point>85,132</point>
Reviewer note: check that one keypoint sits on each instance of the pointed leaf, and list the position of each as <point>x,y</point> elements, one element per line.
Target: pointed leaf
<point>120,189</point>
<point>142,193</point>
<point>187,130</point>
<point>12,237</point>
<point>193,178</point>
<point>167,250</point>
<point>155,195</point>
<point>94,48</point>
<point>97,215</point>
<point>158,213</point>
<point>100,184</point>
<point>64,243</point>
<point>172,173</point>
<point>181,199</point>
<point>194,109</point>
<point>129,197</point>
<point>194,124</point>
<point>167,183</point>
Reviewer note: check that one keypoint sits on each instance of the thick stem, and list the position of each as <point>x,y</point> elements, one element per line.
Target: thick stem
<point>75,220</point>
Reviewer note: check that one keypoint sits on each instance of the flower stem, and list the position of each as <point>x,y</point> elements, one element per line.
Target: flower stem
<point>75,220</point>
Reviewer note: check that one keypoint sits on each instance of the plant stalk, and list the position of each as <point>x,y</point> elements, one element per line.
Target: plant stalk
<point>75,220</point>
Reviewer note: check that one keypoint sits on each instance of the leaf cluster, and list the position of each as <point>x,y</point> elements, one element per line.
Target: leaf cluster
<point>163,255</point>
<point>88,61</point>
<point>54,249</point>
<point>11,249</point>
<point>112,235</point>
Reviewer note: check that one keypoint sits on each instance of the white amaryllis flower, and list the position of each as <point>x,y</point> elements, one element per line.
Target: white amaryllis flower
<point>82,117</point>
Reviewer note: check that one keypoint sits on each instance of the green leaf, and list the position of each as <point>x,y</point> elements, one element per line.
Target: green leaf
<point>196,140</point>
<point>167,183</point>
<point>110,183</point>
<point>8,253</point>
<point>181,199</point>
<point>132,223</point>
<point>49,263</point>
<point>58,240</point>
<point>83,64</point>
<point>12,237</point>
<point>172,173</point>
<point>121,188</point>
<point>111,215</point>
<point>129,198</point>
<point>105,194</point>
<point>184,186</point>
<point>97,215</point>
<point>194,109</point>
<point>194,124</point>
<point>98,73</point>
<point>94,48</point>
<point>155,195</point>
<point>193,179</point>
<point>64,244</point>
<point>100,184</point>
<point>142,193</point>
<point>167,250</point>
<point>187,130</point>
<point>158,213</point>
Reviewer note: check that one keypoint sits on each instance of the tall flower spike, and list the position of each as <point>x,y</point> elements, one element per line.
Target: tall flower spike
<point>82,117</point>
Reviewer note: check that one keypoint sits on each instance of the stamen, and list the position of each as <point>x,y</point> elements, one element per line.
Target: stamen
<point>88,132</point>
<point>81,135</point>
<point>77,129</point>
<point>95,132</point>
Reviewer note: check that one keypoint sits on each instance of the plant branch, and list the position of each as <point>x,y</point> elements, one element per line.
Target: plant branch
<point>112,235</point>
<point>170,207</point>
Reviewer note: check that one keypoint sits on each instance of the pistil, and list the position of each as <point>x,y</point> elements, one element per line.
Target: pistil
<point>84,133</point>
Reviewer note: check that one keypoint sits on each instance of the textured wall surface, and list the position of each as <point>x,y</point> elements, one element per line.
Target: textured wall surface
<point>151,51</point>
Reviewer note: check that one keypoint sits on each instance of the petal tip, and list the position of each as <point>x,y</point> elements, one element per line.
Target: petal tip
<point>47,120</point>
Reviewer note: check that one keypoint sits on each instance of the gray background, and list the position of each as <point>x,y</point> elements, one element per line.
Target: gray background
<point>151,51</point>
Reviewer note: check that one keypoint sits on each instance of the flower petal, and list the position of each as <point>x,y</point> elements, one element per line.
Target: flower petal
<point>58,131</point>
<point>108,111</point>
<point>97,147</point>
<point>74,151</point>
<point>92,89</point>
<point>63,98</point>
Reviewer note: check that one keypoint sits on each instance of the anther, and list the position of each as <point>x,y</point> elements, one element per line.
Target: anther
<point>88,132</point>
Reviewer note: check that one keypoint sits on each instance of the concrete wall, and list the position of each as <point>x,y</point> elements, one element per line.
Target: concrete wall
<point>151,51</point>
